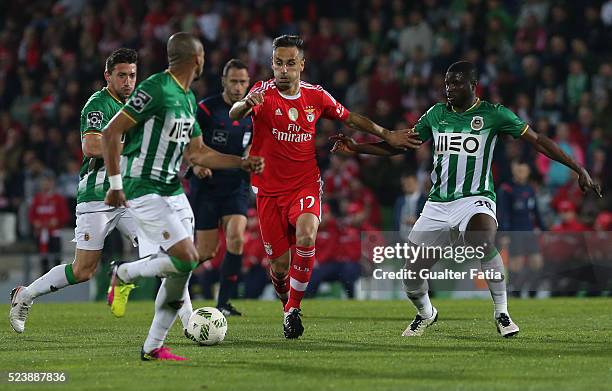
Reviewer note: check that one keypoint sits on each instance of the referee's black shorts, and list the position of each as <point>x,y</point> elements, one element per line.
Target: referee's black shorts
<point>210,206</point>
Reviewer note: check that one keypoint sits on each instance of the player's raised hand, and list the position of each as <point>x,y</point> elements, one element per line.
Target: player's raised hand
<point>202,172</point>
<point>403,139</point>
<point>254,164</point>
<point>586,182</point>
<point>343,144</point>
<point>253,99</point>
<point>115,198</point>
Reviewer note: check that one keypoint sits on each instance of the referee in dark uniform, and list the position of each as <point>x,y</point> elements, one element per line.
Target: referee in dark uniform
<point>219,198</point>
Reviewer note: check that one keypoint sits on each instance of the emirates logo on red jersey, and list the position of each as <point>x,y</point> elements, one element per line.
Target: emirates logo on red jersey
<point>294,134</point>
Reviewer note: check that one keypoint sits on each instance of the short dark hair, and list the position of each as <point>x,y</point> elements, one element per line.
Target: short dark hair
<point>120,56</point>
<point>465,67</point>
<point>288,41</point>
<point>234,63</point>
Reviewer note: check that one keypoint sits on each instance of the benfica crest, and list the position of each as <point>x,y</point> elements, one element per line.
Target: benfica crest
<point>477,123</point>
<point>310,114</point>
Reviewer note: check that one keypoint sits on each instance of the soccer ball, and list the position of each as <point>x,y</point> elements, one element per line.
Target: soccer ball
<point>207,326</point>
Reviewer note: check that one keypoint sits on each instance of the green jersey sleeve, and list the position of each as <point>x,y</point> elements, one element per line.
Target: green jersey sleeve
<point>94,116</point>
<point>423,125</point>
<point>197,131</point>
<point>509,123</point>
<point>145,100</point>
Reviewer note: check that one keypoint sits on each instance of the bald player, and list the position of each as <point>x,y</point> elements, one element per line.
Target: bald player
<point>159,119</point>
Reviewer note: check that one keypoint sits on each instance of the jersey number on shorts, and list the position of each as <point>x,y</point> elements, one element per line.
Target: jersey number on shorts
<point>484,203</point>
<point>309,199</point>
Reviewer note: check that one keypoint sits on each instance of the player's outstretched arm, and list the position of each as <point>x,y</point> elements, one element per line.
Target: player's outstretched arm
<point>400,139</point>
<point>346,145</point>
<point>551,149</point>
<point>197,153</point>
<point>243,107</point>
<point>111,151</point>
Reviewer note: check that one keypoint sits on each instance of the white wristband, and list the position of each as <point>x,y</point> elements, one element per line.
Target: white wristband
<point>115,182</point>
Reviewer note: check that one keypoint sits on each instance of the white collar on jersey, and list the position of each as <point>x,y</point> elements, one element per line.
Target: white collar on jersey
<point>299,93</point>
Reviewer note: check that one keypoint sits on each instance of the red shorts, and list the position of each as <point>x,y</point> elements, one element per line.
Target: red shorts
<point>278,216</point>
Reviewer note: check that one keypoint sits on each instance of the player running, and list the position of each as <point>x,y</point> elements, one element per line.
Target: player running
<point>159,119</point>
<point>285,111</point>
<point>464,131</point>
<point>94,219</point>
<point>220,197</point>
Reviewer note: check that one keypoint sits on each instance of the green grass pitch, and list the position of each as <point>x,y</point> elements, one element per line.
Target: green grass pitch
<point>564,344</point>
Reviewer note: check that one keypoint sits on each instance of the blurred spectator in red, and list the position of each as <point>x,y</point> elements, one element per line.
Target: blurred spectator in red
<point>384,87</point>
<point>569,221</point>
<point>339,174</point>
<point>320,44</point>
<point>338,254</point>
<point>154,22</point>
<point>48,214</point>
<point>570,192</point>
<point>531,37</point>
<point>603,222</point>
<point>368,206</point>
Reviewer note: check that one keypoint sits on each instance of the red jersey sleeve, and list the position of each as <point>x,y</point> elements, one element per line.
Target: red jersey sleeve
<point>331,108</point>
<point>257,87</point>
<point>33,212</point>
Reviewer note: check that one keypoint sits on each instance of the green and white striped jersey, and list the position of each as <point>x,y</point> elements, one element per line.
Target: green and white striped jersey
<point>97,112</point>
<point>164,114</point>
<point>463,145</point>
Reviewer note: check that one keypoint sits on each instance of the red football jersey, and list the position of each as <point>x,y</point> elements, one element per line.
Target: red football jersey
<point>284,134</point>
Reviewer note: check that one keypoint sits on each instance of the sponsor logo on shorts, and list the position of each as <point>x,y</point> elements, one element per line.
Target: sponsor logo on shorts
<point>268,248</point>
<point>86,237</point>
<point>166,235</point>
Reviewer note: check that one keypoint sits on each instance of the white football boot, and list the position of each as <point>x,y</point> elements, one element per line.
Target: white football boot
<point>505,326</point>
<point>419,324</point>
<point>20,307</point>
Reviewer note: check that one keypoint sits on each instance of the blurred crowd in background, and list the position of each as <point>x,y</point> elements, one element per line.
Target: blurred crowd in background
<point>549,61</point>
